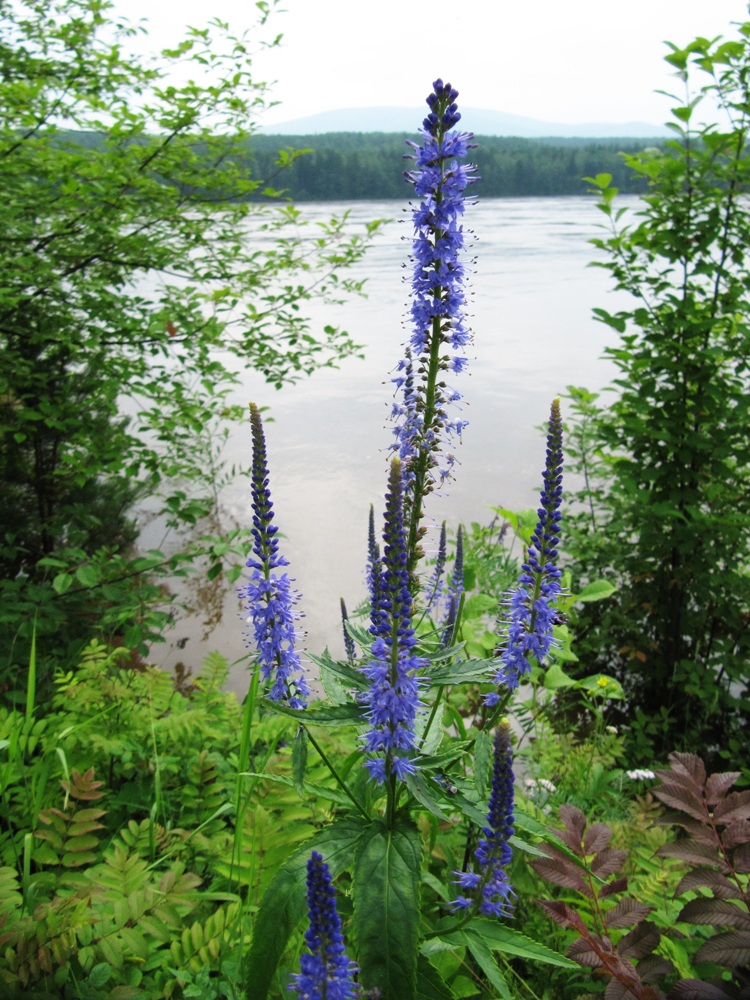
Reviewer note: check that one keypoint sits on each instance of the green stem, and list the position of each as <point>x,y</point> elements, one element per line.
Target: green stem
<point>339,780</point>
<point>423,461</point>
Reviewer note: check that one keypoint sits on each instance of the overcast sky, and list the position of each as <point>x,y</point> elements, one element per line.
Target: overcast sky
<point>579,61</point>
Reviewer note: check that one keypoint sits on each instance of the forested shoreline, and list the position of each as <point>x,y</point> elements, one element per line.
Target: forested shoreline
<point>361,166</point>
<point>349,165</point>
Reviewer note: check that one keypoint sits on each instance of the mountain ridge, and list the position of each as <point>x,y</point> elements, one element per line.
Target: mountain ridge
<point>481,121</point>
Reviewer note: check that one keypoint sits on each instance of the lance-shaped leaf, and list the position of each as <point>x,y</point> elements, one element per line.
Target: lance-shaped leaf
<point>386,909</point>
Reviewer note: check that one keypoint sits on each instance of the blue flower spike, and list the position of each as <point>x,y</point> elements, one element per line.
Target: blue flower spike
<point>326,973</point>
<point>268,597</point>
<point>392,698</point>
<point>488,888</point>
<point>424,429</point>
<point>532,603</point>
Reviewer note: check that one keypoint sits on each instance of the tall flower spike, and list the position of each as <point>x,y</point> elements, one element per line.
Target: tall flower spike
<point>326,973</point>
<point>269,597</point>
<point>392,697</point>
<point>455,589</point>
<point>434,588</point>
<point>439,330</point>
<point>350,648</point>
<point>491,892</point>
<point>532,603</point>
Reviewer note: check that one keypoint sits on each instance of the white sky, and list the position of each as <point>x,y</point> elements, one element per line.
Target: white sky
<point>580,61</point>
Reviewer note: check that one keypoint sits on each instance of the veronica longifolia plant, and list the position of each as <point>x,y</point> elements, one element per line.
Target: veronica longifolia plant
<point>392,698</point>
<point>532,604</point>
<point>269,597</point>
<point>440,334</point>
<point>407,660</point>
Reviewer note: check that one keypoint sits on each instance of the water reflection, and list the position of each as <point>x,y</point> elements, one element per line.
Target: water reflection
<point>532,295</point>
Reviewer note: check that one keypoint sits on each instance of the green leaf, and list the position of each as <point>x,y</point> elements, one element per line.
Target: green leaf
<point>88,576</point>
<point>482,756</point>
<point>555,677</point>
<point>597,590</point>
<point>62,583</point>
<point>284,903</point>
<point>499,937</point>
<point>483,955</point>
<point>320,715</point>
<point>430,985</point>
<point>386,909</point>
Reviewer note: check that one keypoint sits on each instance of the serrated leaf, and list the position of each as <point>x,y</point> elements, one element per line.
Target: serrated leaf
<point>733,807</point>
<point>735,834</point>
<point>731,949</point>
<point>385,894</point>
<point>423,793</point>
<point>463,672</point>
<point>639,942</point>
<point>696,854</point>
<point>583,952</point>
<point>323,715</point>
<point>609,861</point>
<point>596,838</point>
<point>562,914</point>
<point>482,756</point>
<point>716,912</point>
<point>626,913</point>
<point>694,989</point>
<point>500,937</point>
<point>707,878</point>
<point>478,947</point>
<point>718,785</point>
<point>430,985</point>
<point>560,871</point>
<point>284,903</point>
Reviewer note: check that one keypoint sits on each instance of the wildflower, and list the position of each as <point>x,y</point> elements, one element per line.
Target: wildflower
<point>641,774</point>
<point>392,698</point>
<point>455,588</point>
<point>491,892</point>
<point>269,597</point>
<point>612,730</point>
<point>532,604</point>
<point>351,651</point>
<point>434,585</point>
<point>326,973</point>
<point>439,327</point>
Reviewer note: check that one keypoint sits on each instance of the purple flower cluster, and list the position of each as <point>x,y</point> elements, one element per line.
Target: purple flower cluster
<point>532,604</point>
<point>269,597</point>
<point>392,697</point>
<point>326,973</point>
<point>437,310</point>
<point>491,892</point>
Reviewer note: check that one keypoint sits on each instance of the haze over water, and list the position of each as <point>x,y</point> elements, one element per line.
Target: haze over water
<point>530,301</point>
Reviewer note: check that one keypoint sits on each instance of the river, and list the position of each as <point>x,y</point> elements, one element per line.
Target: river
<point>530,299</point>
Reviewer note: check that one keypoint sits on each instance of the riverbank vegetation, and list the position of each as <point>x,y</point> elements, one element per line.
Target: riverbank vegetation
<point>527,775</point>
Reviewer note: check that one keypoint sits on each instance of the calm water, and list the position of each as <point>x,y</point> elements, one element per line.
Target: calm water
<point>531,297</point>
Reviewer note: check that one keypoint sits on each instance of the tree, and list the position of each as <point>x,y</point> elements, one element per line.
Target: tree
<point>666,512</point>
<point>135,270</point>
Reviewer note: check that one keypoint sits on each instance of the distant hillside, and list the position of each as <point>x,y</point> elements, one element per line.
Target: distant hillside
<point>481,121</point>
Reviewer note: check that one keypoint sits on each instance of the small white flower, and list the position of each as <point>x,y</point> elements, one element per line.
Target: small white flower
<point>641,774</point>
<point>530,783</point>
<point>547,786</point>
<point>612,730</point>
